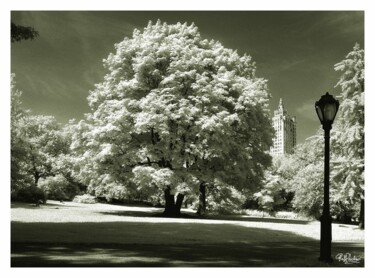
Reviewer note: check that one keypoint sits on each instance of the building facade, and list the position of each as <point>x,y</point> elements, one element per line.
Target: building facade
<point>285,131</point>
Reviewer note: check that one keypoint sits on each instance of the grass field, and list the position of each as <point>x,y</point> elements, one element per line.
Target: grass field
<point>74,234</point>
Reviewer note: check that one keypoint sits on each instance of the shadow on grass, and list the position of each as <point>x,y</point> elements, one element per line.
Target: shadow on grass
<point>303,254</point>
<point>140,244</point>
<point>188,215</point>
<point>259,219</point>
<point>33,206</point>
<point>155,213</point>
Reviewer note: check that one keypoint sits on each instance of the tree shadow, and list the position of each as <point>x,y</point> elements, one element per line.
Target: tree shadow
<point>142,244</point>
<point>155,255</point>
<point>191,215</point>
<point>34,206</point>
<point>258,219</point>
<point>158,213</point>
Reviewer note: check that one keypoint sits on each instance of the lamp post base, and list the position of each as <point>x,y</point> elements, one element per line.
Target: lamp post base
<point>325,238</point>
<point>326,260</point>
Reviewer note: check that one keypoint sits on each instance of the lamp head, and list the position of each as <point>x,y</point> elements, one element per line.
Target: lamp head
<point>327,108</point>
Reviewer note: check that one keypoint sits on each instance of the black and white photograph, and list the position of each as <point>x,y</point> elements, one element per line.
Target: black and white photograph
<point>186,138</point>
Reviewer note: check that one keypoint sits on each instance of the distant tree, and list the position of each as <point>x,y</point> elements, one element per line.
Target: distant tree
<point>36,142</point>
<point>18,142</point>
<point>19,33</point>
<point>18,150</point>
<point>174,114</point>
<point>307,179</point>
<point>37,147</point>
<point>276,194</point>
<point>69,164</point>
<point>43,143</point>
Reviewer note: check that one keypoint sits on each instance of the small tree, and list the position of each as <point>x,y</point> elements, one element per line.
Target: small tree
<point>43,144</point>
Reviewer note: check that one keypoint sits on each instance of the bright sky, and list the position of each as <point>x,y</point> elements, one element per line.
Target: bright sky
<point>296,51</point>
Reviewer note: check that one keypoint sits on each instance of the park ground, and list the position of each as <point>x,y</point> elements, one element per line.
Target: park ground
<point>98,235</point>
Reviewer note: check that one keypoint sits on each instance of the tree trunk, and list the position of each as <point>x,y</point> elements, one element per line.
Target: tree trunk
<point>179,200</point>
<point>202,199</point>
<point>36,178</point>
<point>169,201</point>
<point>172,208</point>
<point>362,213</point>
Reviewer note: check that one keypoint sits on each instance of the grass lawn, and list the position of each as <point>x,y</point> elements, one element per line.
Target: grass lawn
<point>74,234</point>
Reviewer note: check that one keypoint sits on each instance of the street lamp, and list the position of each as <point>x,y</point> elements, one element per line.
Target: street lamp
<point>326,108</point>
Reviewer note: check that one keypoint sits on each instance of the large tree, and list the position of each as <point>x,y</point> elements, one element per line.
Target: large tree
<point>176,113</point>
<point>348,133</point>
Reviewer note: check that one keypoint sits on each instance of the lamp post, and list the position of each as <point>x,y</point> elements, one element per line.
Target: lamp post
<point>326,108</point>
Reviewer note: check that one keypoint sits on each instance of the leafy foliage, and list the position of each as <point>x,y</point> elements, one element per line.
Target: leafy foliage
<point>224,199</point>
<point>31,194</point>
<point>348,134</point>
<point>38,145</point>
<point>43,145</point>
<point>275,194</point>
<point>85,199</point>
<point>173,111</point>
<point>18,150</point>
<point>271,196</point>
<point>58,188</point>
<point>19,32</point>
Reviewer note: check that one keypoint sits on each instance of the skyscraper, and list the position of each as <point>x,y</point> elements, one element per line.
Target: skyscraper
<point>285,131</point>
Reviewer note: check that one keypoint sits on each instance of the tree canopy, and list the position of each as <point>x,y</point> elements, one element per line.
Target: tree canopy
<point>348,136</point>
<point>175,111</point>
<point>37,142</point>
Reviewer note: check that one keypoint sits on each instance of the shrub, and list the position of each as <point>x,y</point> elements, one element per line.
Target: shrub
<point>256,213</point>
<point>111,192</point>
<point>85,199</point>
<point>30,194</point>
<point>58,188</point>
<point>223,200</point>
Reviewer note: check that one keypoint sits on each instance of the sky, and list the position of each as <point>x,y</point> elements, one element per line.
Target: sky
<point>294,50</point>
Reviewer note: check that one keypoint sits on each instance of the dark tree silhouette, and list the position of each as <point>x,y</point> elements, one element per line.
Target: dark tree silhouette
<point>19,33</point>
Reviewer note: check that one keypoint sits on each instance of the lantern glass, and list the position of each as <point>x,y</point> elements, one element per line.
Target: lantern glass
<point>319,112</point>
<point>330,111</point>
<point>326,108</point>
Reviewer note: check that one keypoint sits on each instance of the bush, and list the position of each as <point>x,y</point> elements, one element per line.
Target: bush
<point>223,200</point>
<point>110,192</point>
<point>54,188</point>
<point>256,213</point>
<point>345,212</point>
<point>85,199</point>
<point>58,188</point>
<point>31,194</point>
